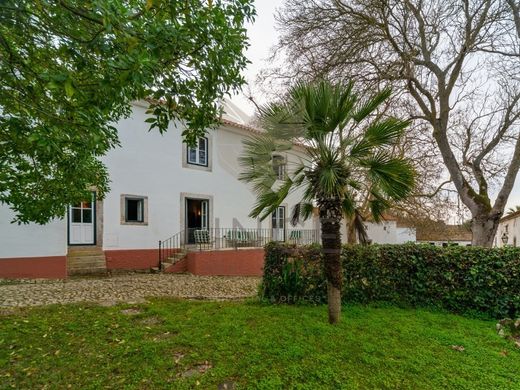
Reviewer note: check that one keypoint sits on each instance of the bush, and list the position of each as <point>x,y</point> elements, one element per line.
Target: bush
<point>293,274</point>
<point>458,279</point>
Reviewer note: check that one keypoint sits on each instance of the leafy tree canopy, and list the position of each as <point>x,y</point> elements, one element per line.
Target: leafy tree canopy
<point>69,69</point>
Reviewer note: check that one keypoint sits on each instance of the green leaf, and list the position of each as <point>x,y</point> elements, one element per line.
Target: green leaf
<point>69,88</point>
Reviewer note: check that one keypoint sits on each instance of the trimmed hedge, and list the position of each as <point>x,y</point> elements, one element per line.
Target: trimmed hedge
<point>459,279</point>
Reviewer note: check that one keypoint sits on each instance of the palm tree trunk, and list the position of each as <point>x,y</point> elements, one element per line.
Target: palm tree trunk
<point>330,219</point>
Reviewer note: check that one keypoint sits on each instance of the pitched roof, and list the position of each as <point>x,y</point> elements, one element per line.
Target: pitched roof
<point>508,217</point>
<point>241,126</point>
<point>439,231</point>
<point>385,217</point>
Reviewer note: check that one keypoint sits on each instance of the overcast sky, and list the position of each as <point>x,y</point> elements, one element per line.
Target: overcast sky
<point>262,37</point>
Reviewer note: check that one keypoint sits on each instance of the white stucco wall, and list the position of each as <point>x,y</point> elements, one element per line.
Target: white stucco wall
<point>382,233</point>
<point>405,234</point>
<point>512,226</point>
<point>446,243</point>
<point>150,164</point>
<point>385,232</point>
<point>31,240</point>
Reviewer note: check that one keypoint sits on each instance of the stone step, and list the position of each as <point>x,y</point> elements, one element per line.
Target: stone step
<point>165,264</point>
<point>88,271</point>
<point>93,256</point>
<point>86,260</point>
<point>84,252</point>
<point>177,256</point>
<point>85,266</point>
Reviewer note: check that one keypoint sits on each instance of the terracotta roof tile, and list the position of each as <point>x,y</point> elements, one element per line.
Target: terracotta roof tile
<point>439,231</point>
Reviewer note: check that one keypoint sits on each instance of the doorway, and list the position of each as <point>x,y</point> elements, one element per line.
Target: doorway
<point>278,224</point>
<point>81,222</point>
<point>197,217</point>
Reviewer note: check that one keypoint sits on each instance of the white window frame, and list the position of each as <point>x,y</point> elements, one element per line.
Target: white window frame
<point>280,168</point>
<point>278,223</point>
<point>198,149</point>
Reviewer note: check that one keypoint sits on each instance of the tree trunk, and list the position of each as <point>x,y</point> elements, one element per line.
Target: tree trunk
<point>484,228</point>
<point>330,219</point>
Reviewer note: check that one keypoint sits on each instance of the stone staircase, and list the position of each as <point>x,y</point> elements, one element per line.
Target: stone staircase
<point>86,261</point>
<point>174,259</point>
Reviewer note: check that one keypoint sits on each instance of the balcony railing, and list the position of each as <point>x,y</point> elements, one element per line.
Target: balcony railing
<point>232,238</point>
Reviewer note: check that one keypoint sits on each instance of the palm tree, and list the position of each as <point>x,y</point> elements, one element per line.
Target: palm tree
<point>341,152</point>
<point>513,210</point>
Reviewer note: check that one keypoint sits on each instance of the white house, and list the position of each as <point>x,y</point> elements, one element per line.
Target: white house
<point>508,232</point>
<point>441,234</point>
<point>162,193</point>
<point>390,230</point>
<point>160,188</point>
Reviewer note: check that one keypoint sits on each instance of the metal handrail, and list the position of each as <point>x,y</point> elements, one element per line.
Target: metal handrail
<point>170,246</point>
<point>231,238</point>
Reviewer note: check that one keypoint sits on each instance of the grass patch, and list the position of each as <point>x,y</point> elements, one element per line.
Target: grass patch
<point>183,344</point>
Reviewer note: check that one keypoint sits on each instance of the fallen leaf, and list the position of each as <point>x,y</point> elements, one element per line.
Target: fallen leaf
<point>459,348</point>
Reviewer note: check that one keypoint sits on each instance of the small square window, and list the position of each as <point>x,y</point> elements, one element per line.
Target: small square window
<point>87,215</point>
<point>134,210</point>
<point>76,215</point>
<point>198,155</point>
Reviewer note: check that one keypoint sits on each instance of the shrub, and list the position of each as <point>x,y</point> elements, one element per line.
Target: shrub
<point>293,274</point>
<point>458,279</point>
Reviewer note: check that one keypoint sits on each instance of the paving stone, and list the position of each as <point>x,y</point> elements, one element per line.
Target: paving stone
<point>133,289</point>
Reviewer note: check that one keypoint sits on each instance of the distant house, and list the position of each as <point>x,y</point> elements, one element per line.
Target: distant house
<point>442,234</point>
<point>508,232</point>
<point>390,230</point>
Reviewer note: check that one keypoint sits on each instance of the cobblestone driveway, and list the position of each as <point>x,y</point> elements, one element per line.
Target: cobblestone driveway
<point>127,288</point>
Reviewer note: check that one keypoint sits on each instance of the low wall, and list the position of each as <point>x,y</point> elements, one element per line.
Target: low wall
<point>240,262</point>
<point>51,267</point>
<point>132,258</point>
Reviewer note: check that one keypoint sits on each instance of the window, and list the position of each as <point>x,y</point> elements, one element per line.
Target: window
<point>81,212</point>
<point>279,166</point>
<point>134,210</point>
<point>278,224</point>
<point>198,155</point>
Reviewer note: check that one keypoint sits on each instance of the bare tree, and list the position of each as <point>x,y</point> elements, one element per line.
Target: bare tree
<point>458,61</point>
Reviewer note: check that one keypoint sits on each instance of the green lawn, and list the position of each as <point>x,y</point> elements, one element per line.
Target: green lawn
<point>253,346</point>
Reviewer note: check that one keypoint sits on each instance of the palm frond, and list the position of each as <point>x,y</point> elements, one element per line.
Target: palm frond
<point>337,163</point>
<point>371,104</point>
<point>349,205</point>
<point>301,212</point>
<point>360,228</point>
<point>384,132</point>
<point>378,205</point>
<point>393,175</point>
